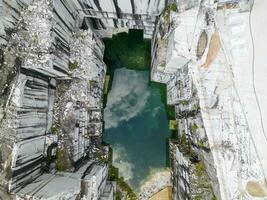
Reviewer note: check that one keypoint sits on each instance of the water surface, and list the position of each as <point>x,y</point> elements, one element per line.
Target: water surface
<point>136,126</point>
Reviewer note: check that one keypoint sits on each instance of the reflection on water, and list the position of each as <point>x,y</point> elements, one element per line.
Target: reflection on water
<point>136,126</point>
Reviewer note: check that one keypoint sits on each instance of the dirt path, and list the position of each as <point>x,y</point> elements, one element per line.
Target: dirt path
<point>214,49</point>
<point>165,194</point>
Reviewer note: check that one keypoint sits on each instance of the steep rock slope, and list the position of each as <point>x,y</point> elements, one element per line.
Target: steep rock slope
<point>209,72</point>
<point>34,58</point>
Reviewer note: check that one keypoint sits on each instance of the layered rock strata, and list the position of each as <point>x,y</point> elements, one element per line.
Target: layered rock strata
<point>39,139</point>
<point>78,108</point>
<point>117,15</point>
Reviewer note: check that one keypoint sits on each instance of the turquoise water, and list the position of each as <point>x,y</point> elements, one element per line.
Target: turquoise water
<point>136,126</point>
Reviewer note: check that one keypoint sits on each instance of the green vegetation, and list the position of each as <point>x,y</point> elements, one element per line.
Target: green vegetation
<point>59,156</point>
<point>198,198</point>
<point>193,128</point>
<point>173,125</point>
<point>162,65</point>
<point>203,182</point>
<point>62,160</point>
<point>73,66</point>
<point>183,138</point>
<point>54,130</point>
<point>100,156</point>
<point>172,7</point>
<point>201,144</point>
<point>126,188</point>
<point>184,102</point>
<point>187,149</point>
<point>113,173</point>
<point>193,155</point>
<point>196,107</point>
<point>200,169</point>
<point>167,11</point>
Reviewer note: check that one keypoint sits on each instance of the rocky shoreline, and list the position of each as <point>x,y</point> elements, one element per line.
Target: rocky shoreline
<point>157,181</point>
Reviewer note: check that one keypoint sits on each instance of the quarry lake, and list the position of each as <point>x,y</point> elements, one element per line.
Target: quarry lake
<point>136,126</point>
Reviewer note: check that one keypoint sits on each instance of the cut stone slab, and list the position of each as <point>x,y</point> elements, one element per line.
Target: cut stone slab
<point>55,186</point>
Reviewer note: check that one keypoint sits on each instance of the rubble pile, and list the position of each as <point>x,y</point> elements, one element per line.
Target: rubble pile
<point>34,35</point>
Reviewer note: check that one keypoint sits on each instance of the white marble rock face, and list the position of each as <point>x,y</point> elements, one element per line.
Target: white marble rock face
<point>225,98</point>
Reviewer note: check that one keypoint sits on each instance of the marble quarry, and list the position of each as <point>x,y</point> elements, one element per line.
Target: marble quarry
<point>210,54</point>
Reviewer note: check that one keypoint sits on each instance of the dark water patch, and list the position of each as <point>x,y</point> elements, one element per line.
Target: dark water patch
<point>128,50</point>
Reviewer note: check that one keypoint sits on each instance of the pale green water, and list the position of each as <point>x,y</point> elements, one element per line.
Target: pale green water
<point>136,126</point>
